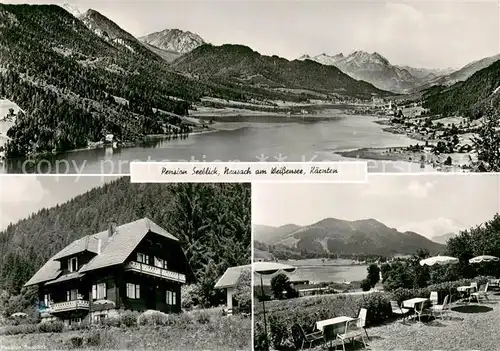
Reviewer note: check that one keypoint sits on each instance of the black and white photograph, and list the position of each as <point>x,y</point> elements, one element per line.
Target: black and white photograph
<point>99,263</point>
<point>396,263</point>
<point>408,86</point>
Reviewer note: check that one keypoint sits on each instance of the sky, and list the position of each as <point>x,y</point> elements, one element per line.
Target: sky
<point>430,34</point>
<point>427,204</point>
<point>22,195</point>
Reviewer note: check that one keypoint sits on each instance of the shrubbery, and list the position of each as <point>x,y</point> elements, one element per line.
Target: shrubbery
<point>51,327</point>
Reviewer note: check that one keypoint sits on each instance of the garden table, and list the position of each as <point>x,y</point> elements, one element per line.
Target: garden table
<point>335,323</point>
<point>411,303</point>
<point>415,301</point>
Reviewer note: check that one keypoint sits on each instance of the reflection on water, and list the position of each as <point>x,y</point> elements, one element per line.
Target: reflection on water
<point>252,142</point>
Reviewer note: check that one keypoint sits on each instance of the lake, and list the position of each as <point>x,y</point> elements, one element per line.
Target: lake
<point>247,142</point>
<point>318,271</point>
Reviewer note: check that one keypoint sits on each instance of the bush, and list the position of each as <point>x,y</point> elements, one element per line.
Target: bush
<point>51,327</point>
<point>366,285</point>
<point>153,318</point>
<point>19,329</point>
<point>110,322</point>
<point>259,337</point>
<point>129,318</point>
<point>243,291</point>
<point>279,283</point>
<point>378,308</point>
<point>203,317</point>
<point>279,332</point>
<point>81,326</point>
<point>94,338</point>
<point>189,297</point>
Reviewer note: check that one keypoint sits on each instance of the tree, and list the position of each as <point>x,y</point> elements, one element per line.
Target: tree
<point>448,161</point>
<point>243,291</point>
<point>279,283</point>
<point>373,276</point>
<point>365,285</point>
<point>487,143</point>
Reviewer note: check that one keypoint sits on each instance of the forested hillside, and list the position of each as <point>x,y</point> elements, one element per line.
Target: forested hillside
<point>212,222</point>
<point>470,98</point>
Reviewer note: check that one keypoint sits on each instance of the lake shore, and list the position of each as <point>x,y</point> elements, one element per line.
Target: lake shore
<point>460,161</point>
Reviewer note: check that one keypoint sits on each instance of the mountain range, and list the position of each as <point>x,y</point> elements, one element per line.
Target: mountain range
<point>244,66</point>
<point>335,236</point>
<point>376,69</point>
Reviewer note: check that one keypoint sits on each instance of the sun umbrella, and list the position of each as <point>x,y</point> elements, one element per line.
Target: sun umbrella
<point>268,268</point>
<point>439,260</point>
<point>484,258</point>
<point>19,314</point>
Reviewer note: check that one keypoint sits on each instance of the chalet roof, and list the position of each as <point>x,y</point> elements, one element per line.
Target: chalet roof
<point>113,250</point>
<point>87,243</point>
<point>230,276</point>
<point>66,277</point>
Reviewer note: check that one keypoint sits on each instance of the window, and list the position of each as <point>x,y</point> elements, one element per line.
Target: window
<point>99,318</point>
<point>133,291</point>
<point>142,258</point>
<point>73,264</point>
<point>99,291</point>
<point>171,298</point>
<point>71,295</point>
<point>160,263</point>
<point>74,321</point>
<point>46,300</point>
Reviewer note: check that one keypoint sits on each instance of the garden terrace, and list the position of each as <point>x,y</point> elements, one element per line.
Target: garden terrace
<point>469,326</point>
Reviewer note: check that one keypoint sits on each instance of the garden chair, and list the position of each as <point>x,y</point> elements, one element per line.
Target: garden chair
<point>301,338</point>
<point>434,297</point>
<point>354,329</point>
<point>474,284</point>
<point>443,309</point>
<point>422,310</point>
<point>398,310</point>
<point>481,294</point>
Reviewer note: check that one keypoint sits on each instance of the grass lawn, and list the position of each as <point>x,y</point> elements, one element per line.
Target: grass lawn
<point>223,333</point>
<point>472,326</point>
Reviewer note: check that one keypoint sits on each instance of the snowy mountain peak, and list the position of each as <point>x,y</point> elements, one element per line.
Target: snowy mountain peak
<point>174,40</point>
<point>103,26</point>
<point>72,9</point>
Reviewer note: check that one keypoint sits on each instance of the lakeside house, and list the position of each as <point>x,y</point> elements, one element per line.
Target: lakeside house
<point>135,266</point>
<point>228,282</point>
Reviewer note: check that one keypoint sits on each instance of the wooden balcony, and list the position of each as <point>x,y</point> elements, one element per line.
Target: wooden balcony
<point>69,306</point>
<point>155,271</point>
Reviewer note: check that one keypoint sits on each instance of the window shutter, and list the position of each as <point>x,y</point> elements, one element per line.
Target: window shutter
<point>94,292</point>
<point>137,291</point>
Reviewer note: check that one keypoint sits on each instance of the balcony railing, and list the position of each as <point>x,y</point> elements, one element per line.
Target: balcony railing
<point>155,271</point>
<point>68,306</point>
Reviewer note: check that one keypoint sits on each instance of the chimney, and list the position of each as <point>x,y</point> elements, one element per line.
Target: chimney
<point>99,246</point>
<point>111,229</point>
